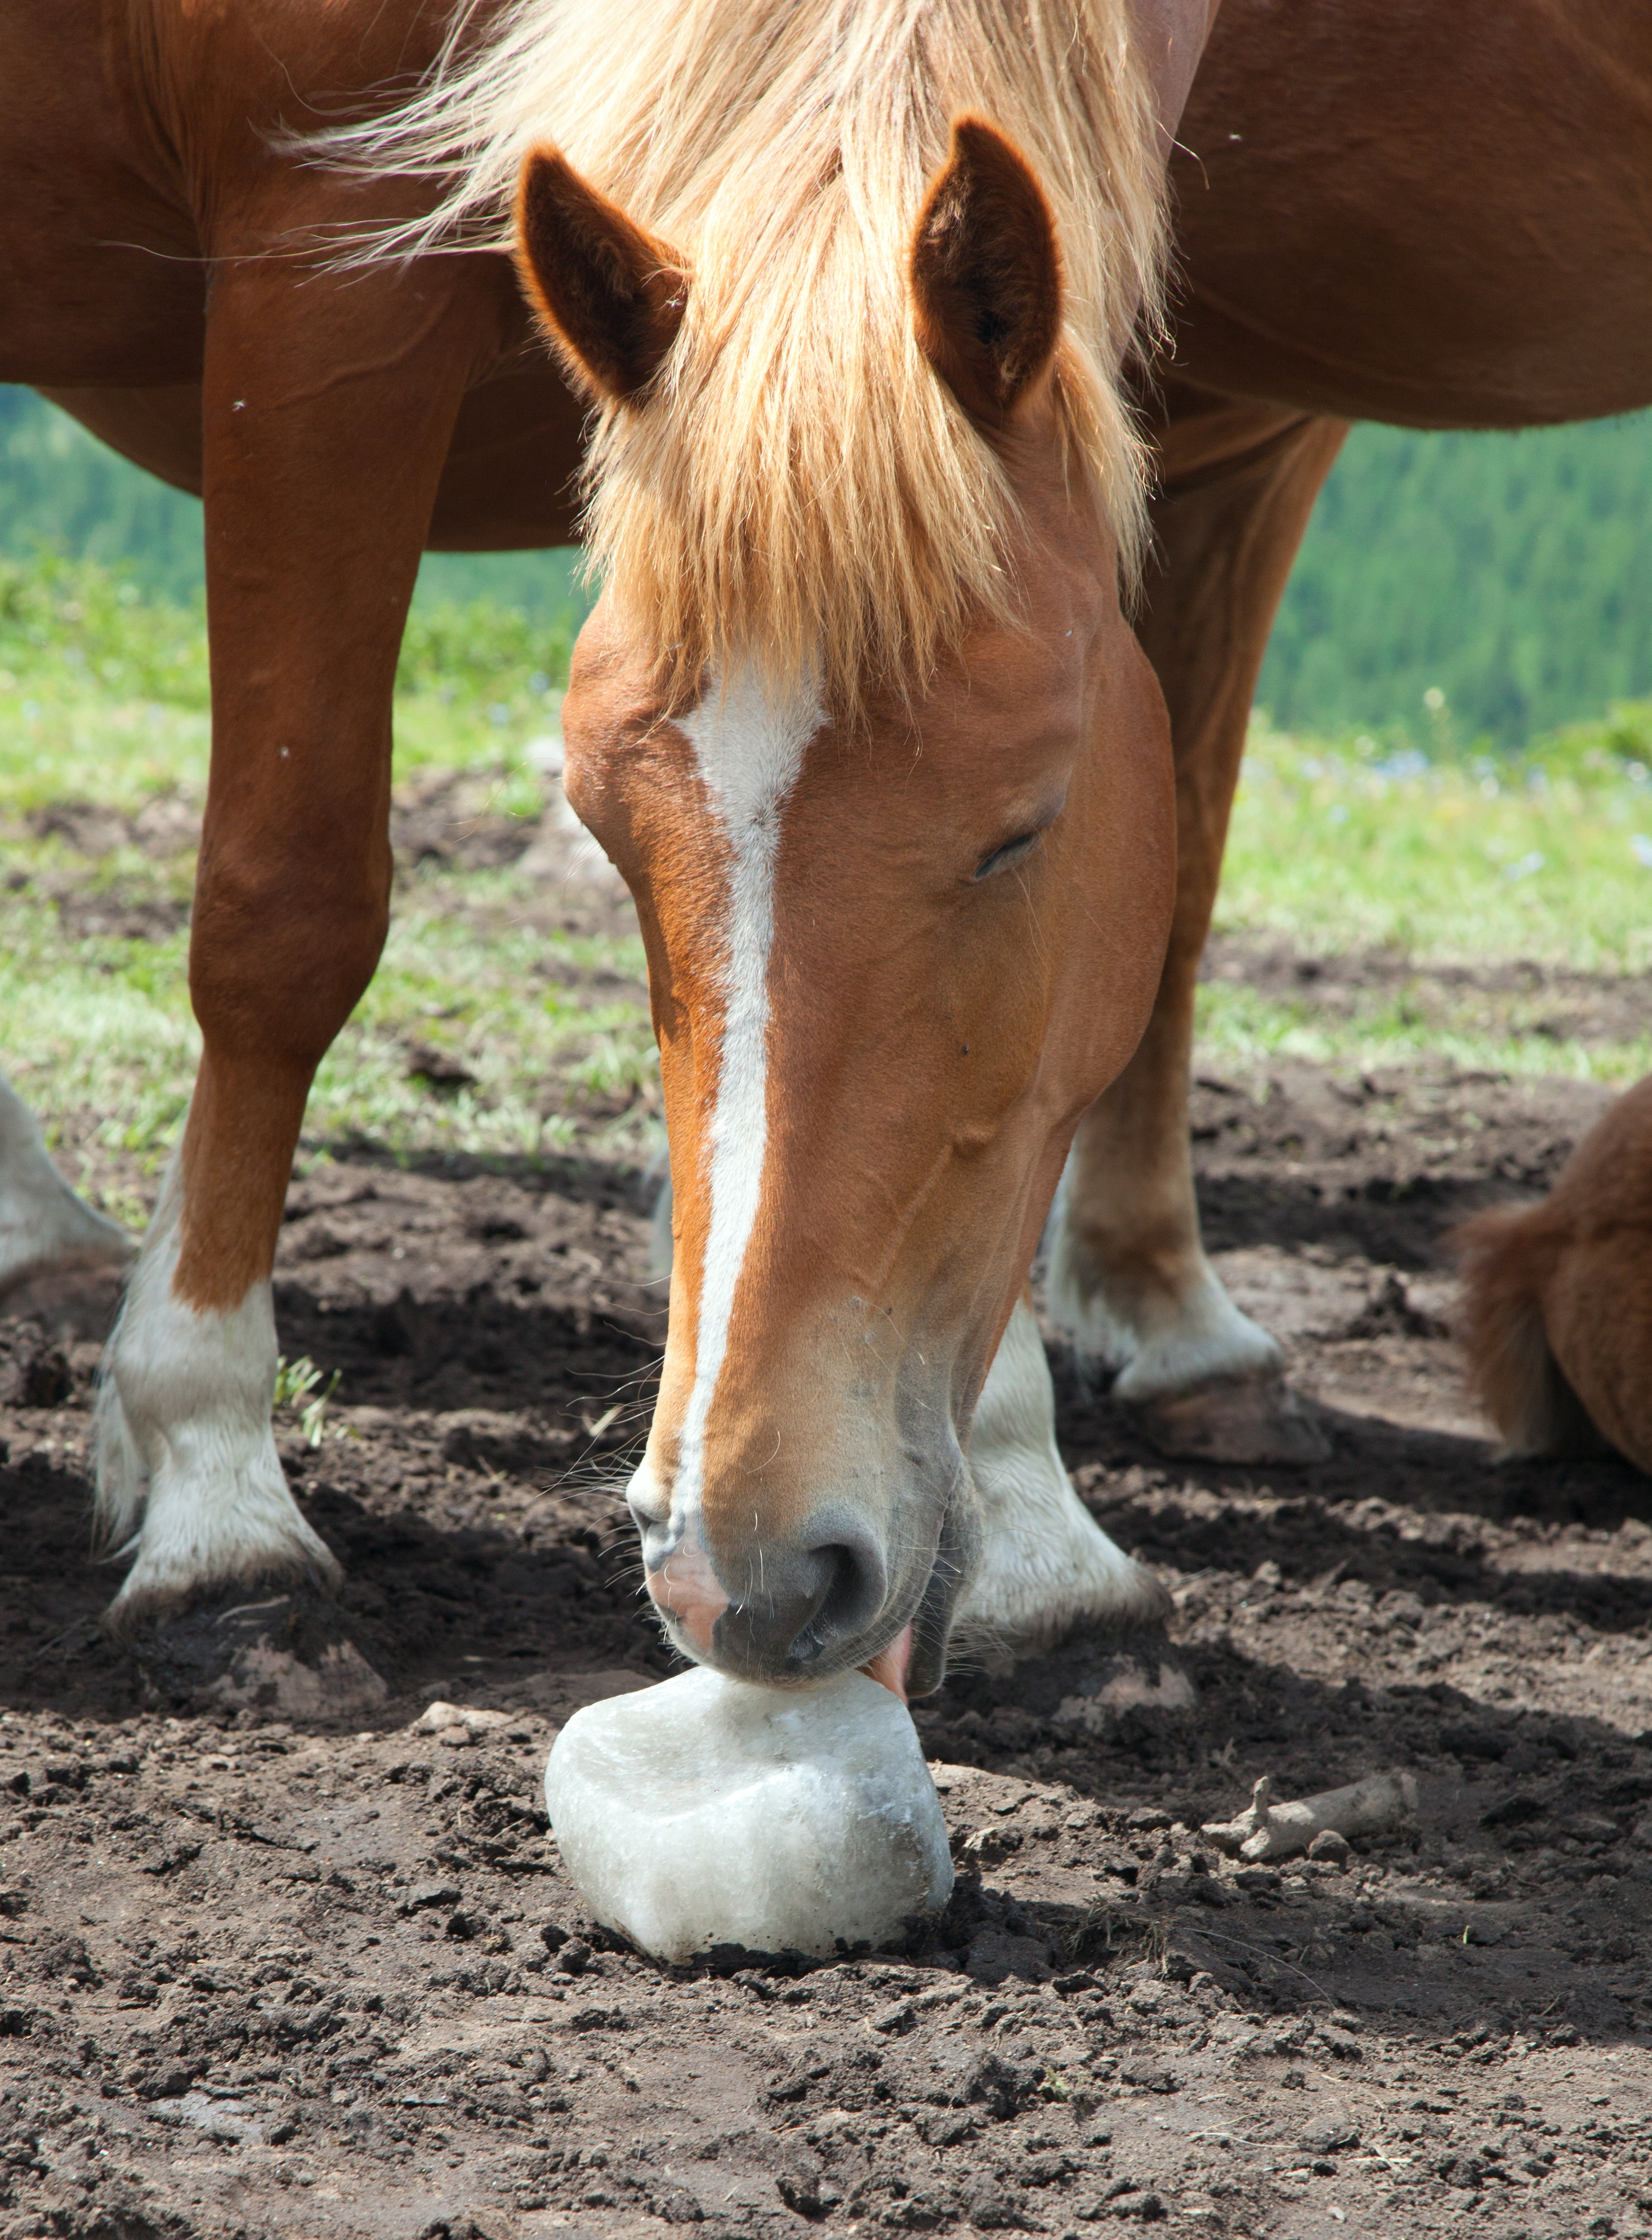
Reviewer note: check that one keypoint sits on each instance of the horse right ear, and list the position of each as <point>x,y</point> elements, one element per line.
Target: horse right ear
<point>611,296</point>
<point>985,274</point>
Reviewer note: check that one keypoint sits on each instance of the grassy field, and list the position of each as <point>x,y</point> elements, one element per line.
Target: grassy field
<point>103,701</point>
<point>1442,860</point>
<point>1363,844</point>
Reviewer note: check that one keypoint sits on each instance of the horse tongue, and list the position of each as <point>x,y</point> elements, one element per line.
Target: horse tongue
<point>889,1667</point>
<point>706,1811</point>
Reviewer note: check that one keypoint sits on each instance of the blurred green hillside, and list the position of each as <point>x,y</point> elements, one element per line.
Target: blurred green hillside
<point>62,488</point>
<point>1512,573</point>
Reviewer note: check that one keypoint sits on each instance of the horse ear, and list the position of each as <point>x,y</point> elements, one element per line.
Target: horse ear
<point>986,274</point>
<point>611,295</point>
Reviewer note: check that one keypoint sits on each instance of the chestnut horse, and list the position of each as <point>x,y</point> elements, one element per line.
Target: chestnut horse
<point>1377,215</point>
<point>859,715</point>
<point>1382,212</point>
<point>1557,1299</point>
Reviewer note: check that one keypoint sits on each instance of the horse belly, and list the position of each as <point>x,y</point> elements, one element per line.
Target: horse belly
<point>100,276</point>
<point>1386,213</point>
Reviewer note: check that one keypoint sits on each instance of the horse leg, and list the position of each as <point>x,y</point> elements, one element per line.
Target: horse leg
<point>45,1228</point>
<point>328,414</point>
<point>1128,1282</point>
<point>1048,1571</point>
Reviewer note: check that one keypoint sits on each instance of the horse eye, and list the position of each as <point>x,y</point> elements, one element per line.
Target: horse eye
<point>1011,852</point>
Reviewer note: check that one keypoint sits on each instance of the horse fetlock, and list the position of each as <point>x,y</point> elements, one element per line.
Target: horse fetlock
<point>119,1474</point>
<point>1199,1378</point>
<point>1076,1296</point>
<point>1204,1340</point>
<point>1046,1565</point>
<point>1026,1600</point>
<point>1160,1330</point>
<point>188,1473</point>
<point>1140,1302</point>
<point>213,1518</point>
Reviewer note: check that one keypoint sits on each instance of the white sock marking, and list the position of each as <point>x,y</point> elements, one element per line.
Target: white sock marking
<point>1046,1564</point>
<point>183,1436</point>
<point>750,749</point>
<point>43,1226</point>
<point>1159,1345</point>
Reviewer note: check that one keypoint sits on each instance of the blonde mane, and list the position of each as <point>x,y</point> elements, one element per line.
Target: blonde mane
<point>800,490</point>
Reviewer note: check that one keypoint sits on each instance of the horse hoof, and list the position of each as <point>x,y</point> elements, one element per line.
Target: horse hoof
<point>1260,1420</point>
<point>274,1649</point>
<point>1145,1676</point>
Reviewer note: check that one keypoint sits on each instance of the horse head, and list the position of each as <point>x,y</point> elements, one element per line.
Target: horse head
<point>903,925</point>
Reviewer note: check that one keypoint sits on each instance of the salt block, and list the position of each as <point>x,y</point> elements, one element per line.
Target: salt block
<point>708,1811</point>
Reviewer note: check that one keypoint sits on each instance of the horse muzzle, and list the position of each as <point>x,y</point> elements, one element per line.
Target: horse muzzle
<point>782,1610</point>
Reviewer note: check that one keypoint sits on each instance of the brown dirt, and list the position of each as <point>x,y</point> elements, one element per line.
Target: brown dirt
<point>257,1981</point>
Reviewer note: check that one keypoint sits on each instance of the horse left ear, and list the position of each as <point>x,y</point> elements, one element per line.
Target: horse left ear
<point>611,295</point>
<point>986,274</point>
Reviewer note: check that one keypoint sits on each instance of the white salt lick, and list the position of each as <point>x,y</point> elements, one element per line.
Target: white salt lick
<point>707,1812</point>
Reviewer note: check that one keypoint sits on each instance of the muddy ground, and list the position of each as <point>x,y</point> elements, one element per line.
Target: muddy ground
<point>262,1979</point>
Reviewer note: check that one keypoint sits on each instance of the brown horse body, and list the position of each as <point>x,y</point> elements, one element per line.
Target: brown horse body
<point>1557,1313</point>
<point>1378,216</point>
<point>1382,212</point>
<point>169,272</point>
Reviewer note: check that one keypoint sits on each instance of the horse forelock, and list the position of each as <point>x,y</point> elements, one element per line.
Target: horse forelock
<point>800,495</point>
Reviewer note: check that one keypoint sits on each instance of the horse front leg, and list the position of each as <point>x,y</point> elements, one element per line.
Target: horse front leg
<point>318,484</point>
<point>1129,1281</point>
<point>1048,1573</point>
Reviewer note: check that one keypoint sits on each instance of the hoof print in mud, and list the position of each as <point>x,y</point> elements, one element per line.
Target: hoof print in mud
<point>1261,1421</point>
<point>282,1650</point>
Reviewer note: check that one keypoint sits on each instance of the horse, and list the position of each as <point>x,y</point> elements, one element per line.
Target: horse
<point>1556,1313</point>
<point>846,296</point>
<point>1377,217</point>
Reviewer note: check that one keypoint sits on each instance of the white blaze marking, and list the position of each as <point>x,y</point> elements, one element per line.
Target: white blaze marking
<point>749,747</point>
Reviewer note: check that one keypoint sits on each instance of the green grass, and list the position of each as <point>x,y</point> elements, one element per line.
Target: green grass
<point>103,694</point>
<point>102,699</point>
<point>1355,844</point>
<point>104,1026</point>
<point>1546,856</point>
<point>1448,860</point>
<point>1241,1033</point>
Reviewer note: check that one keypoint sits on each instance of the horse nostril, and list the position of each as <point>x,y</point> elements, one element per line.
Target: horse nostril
<point>806,1603</point>
<point>659,1544</point>
<point>653,1521</point>
<point>851,1595</point>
